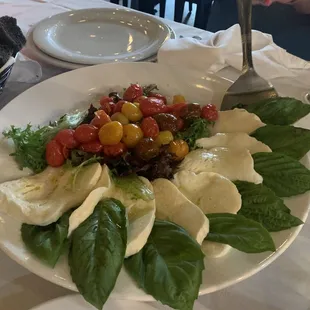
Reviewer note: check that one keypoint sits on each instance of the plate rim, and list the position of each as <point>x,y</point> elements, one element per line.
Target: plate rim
<point>99,60</point>
<point>267,261</point>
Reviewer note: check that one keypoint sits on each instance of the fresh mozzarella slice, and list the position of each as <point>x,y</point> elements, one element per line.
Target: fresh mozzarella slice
<point>211,192</point>
<point>233,140</point>
<point>214,249</point>
<point>141,214</point>
<point>42,198</point>
<point>173,206</point>
<point>79,215</point>
<point>237,120</point>
<point>105,178</point>
<point>141,217</point>
<point>234,164</point>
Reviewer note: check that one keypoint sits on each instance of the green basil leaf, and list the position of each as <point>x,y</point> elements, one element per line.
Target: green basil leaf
<point>284,175</point>
<point>97,251</point>
<point>289,140</point>
<point>259,203</point>
<point>239,232</point>
<point>279,111</point>
<point>133,185</point>
<point>169,267</point>
<point>47,243</point>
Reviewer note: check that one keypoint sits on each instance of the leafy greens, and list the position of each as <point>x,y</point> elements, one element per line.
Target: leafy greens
<point>97,251</point>
<point>169,267</point>
<point>260,204</point>
<point>279,111</point>
<point>239,232</point>
<point>282,174</point>
<point>199,128</point>
<point>288,140</point>
<point>30,144</point>
<point>47,243</point>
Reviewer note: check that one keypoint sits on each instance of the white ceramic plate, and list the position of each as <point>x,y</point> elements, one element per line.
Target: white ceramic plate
<point>54,97</point>
<point>34,52</point>
<point>76,302</point>
<point>94,36</point>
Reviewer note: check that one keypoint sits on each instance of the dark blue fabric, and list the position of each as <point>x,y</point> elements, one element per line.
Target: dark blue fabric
<point>290,30</point>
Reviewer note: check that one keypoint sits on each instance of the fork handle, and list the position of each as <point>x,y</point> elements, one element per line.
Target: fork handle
<point>245,22</point>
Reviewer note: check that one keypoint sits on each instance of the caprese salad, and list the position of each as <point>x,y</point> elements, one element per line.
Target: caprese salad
<point>156,186</point>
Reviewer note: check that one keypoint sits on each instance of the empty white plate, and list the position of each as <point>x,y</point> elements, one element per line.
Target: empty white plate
<point>76,302</point>
<point>99,35</point>
<point>34,52</point>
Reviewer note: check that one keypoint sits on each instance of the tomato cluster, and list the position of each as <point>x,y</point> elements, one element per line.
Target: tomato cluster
<point>136,123</point>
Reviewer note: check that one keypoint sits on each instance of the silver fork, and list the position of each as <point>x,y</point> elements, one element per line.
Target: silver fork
<point>249,87</point>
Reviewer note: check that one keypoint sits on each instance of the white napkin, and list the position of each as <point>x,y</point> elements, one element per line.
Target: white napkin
<point>25,70</point>
<point>224,49</point>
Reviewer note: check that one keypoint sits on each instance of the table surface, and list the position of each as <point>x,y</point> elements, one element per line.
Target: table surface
<point>284,285</point>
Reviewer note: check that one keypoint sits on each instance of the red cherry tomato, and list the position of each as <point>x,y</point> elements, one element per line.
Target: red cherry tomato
<point>114,150</point>
<point>105,99</point>
<point>66,138</point>
<point>132,92</point>
<point>151,106</point>
<point>65,152</point>
<point>140,99</point>
<point>53,154</point>
<point>86,133</point>
<point>91,147</point>
<point>100,119</point>
<point>118,106</point>
<point>175,108</point>
<point>209,112</point>
<point>112,106</point>
<point>159,96</point>
<point>149,127</point>
<point>107,105</point>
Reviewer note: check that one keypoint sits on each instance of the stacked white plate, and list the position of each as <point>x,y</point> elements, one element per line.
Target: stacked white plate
<point>87,37</point>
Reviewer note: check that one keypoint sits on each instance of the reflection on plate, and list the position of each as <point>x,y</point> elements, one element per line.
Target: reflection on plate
<point>95,36</point>
<point>75,89</point>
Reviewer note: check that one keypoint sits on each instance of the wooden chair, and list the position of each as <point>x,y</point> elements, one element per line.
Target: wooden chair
<point>202,13</point>
<point>147,6</point>
<point>125,2</point>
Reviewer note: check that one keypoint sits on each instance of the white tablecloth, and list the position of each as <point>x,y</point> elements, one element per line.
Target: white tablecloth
<point>284,285</point>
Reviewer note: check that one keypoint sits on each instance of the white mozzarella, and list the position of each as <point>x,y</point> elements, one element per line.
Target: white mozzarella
<point>141,217</point>
<point>214,249</point>
<point>173,206</point>
<point>141,213</point>
<point>79,215</point>
<point>234,164</point>
<point>42,198</point>
<point>237,120</point>
<point>238,140</point>
<point>211,192</point>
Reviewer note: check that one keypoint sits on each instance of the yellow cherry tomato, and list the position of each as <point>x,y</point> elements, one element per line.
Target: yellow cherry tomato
<point>179,148</point>
<point>178,99</point>
<point>131,111</point>
<point>137,104</point>
<point>120,117</point>
<point>111,133</point>
<point>132,135</point>
<point>164,137</point>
